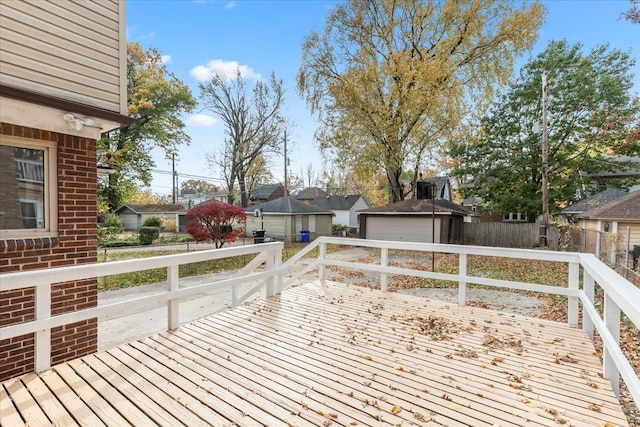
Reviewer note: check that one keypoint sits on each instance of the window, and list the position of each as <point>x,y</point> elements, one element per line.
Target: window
<point>516,216</point>
<point>27,187</point>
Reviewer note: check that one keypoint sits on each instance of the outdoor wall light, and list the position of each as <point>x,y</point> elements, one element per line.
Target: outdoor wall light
<point>77,124</point>
<point>606,227</point>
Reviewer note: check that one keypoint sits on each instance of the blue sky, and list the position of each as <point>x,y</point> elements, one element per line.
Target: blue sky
<point>199,37</point>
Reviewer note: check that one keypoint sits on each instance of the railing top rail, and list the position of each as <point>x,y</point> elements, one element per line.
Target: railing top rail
<point>26,279</point>
<point>620,290</point>
<point>536,254</point>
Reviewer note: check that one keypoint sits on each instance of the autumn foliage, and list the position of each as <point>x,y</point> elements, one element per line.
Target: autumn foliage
<point>213,223</point>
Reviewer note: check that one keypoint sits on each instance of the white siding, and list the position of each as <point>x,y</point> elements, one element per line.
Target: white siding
<point>74,50</point>
<point>341,218</point>
<point>353,213</point>
<point>402,229</point>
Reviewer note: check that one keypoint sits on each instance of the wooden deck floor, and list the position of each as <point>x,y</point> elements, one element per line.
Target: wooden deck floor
<point>330,355</point>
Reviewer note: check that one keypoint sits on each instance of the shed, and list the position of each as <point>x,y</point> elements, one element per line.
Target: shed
<point>286,217</point>
<point>345,207</point>
<point>134,215</point>
<point>614,217</point>
<point>414,220</point>
<point>599,199</point>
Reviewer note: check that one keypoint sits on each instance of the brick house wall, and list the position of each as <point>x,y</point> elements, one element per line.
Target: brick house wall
<point>75,244</point>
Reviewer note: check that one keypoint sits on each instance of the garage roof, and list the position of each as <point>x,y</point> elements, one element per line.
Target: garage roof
<point>419,206</point>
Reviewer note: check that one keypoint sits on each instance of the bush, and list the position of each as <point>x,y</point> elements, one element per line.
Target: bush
<point>110,226</point>
<point>153,221</point>
<point>168,224</point>
<point>147,235</point>
<point>113,221</point>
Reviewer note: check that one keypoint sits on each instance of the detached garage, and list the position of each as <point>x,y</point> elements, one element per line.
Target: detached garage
<point>411,221</point>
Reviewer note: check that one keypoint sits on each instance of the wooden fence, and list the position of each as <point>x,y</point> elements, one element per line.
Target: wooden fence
<point>500,234</point>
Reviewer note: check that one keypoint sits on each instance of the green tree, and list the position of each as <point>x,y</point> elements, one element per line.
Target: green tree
<point>156,99</point>
<point>633,14</point>
<point>387,77</point>
<point>590,111</point>
<point>254,125</point>
<point>197,186</point>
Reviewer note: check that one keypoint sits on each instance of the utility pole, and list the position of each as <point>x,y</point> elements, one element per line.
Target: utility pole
<point>544,227</point>
<point>286,161</point>
<point>174,177</point>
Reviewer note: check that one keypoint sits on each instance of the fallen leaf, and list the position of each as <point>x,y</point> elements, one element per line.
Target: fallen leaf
<point>396,410</point>
<point>367,357</point>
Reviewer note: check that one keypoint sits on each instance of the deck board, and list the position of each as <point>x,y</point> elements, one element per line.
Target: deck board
<point>331,354</point>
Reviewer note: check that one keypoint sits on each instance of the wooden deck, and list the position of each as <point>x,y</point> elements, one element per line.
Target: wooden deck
<point>330,355</point>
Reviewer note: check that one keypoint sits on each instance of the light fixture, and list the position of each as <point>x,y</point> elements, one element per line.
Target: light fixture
<point>606,227</point>
<point>76,123</point>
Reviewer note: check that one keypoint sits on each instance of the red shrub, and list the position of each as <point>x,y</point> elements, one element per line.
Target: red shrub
<point>212,222</point>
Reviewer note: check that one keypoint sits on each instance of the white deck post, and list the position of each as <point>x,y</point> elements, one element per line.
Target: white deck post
<point>173,305</point>
<point>612,322</point>
<point>462,286</point>
<point>574,284</point>
<point>269,280</point>
<point>589,291</point>
<point>43,337</point>
<point>322,271</point>
<point>278,265</point>
<point>384,263</point>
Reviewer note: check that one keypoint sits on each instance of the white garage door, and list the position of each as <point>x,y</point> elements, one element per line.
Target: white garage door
<point>403,229</point>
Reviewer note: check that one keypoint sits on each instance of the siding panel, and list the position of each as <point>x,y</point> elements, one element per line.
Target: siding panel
<point>65,49</point>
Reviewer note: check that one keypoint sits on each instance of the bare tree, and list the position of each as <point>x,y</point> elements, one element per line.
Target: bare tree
<point>253,125</point>
<point>310,176</point>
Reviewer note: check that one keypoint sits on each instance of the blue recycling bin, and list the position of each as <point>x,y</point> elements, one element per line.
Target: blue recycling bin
<point>304,236</point>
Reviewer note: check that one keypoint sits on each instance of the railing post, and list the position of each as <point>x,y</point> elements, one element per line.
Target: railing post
<point>322,271</point>
<point>612,322</point>
<point>173,305</point>
<point>589,291</point>
<point>384,263</point>
<point>43,337</point>
<point>574,284</point>
<point>269,280</point>
<point>277,266</point>
<point>462,286</point>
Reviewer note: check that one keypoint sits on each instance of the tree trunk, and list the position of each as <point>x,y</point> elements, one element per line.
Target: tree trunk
<point>244,197</point>
<point>396,194</point>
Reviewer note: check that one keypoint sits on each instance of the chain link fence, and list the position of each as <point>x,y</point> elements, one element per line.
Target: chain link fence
<point>616,249</point>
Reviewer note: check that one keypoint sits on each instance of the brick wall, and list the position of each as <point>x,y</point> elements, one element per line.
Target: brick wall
<point>75,244</point>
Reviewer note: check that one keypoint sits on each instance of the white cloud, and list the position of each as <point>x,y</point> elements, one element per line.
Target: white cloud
<point>201,120</point>
<point>225,68</point>
<point>166,59</point>
<point>231,5</point>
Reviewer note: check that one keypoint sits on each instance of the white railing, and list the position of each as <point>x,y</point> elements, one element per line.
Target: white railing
<point>585,271</point>
<point>270,277</point>
<point>620,295</point>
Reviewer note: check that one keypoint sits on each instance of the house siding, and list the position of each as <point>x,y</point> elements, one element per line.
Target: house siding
<point>72,50</point>
<point>74,244</point>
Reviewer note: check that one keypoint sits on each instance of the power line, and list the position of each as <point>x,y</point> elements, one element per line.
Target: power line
<point>186,175</point>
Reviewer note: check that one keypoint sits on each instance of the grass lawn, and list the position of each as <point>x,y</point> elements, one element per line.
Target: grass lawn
<point>154,275</point>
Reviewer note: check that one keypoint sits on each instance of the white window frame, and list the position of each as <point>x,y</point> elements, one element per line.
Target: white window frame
<point>50,211</point>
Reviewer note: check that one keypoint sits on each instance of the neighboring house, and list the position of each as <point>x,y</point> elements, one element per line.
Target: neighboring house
<point>310,193</point>
<point>266,192</point>
<point>189,200</point>
<point>443,188</point>
<point>134,215</point>
<point>62,84</point>
<point>614,217</point>
<point>345,207</point>
<point>569,213</point>
<point>414,220</point>
<point>286,217</point>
